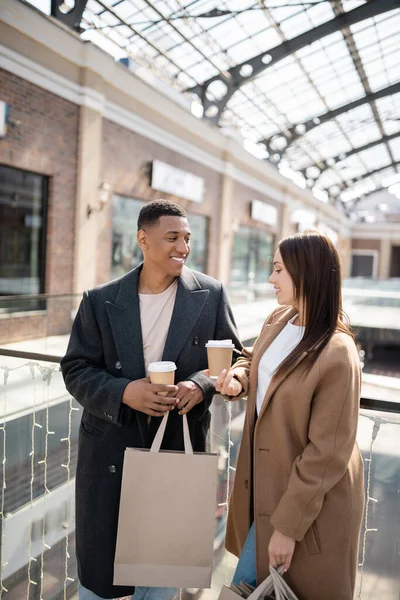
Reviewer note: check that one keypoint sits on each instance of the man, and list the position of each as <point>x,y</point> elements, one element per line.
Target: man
<point>159,311</point>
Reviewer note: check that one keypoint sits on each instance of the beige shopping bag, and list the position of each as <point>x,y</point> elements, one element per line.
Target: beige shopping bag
<point>272,588</point>
<point>167,512</point>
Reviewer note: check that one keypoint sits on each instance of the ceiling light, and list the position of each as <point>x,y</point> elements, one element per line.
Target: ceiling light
<point>275,157</point>
<point>317,121</point>
<point>342,155</point>
<point>300,129</point>
<point>212,111</point>
<point>216,90</point>
<point>334,190</point>
<point>278,142</point>
<point>310,182</point>
<point>246,71</point>
<point>313,172</point>
<point>330,162</point>
<point>266,59</point>
<point>67,6</point>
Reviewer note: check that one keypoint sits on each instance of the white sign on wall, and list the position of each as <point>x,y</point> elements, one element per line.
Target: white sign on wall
<point>3,118</point>
<point>177,182</point>
<point>304,219</point>
<point>264,213</point>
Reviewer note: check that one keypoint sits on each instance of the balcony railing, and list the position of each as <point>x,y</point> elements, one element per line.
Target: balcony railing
<point>39,425</point>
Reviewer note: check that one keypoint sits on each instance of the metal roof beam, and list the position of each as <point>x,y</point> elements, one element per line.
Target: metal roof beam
<point>330,162</point>
<point>237,76</point>
<point>346,185</point>
<point>72,18</point>
<point>359,66</point>
<point>301,129</point>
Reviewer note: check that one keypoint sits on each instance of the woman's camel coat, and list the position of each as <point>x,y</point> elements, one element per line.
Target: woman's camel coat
<point>299,468</point>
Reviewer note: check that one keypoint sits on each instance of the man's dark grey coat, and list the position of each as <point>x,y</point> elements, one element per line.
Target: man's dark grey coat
<point>104,354</point>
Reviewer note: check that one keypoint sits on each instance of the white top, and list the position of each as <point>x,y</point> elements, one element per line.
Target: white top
<point>155,318</point>
<point>274,355</point>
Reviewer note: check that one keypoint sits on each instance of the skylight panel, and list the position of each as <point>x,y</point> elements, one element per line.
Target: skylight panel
<point>395,148</point>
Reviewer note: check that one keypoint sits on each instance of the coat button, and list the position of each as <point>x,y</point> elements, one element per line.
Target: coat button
<point>117,365</point>
<point>112,469</point>
<point>246,484</point>
<point>196,341</point>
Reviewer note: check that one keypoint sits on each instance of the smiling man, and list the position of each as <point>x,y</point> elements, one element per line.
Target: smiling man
<point>159,311</point>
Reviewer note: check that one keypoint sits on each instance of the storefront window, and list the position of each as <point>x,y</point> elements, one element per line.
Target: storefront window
<point>251,259</point>
<point>126,254</point>
<point>23,203</point>
<point>198,244</point>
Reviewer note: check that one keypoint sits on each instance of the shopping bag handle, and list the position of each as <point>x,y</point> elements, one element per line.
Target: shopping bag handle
<point>281,588</point>
<point>156,445</point>
<point>265,587</point>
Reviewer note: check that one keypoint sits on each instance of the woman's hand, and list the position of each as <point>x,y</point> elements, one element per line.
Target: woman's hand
<point>227,384</point>
<point>281,550</point>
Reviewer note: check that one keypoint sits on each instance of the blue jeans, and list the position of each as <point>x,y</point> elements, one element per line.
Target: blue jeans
<point>246,567</point>
<point>141,593</point>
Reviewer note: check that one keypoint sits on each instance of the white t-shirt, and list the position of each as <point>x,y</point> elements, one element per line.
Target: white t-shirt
<point>155,317</point>
<point>276,353</point>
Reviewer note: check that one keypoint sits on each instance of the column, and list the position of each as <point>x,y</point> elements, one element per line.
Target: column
<point>384,259</point>
<point>88,184</point>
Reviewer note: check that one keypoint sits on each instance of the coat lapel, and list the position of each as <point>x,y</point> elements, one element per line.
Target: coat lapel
<point>124,315</point>
<point>189,302</point>
<point>276,382</point>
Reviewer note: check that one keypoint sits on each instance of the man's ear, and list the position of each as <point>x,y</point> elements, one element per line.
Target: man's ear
<point>142,240</point>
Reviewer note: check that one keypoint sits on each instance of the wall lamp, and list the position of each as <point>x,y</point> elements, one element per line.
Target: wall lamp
<point>104,195</point>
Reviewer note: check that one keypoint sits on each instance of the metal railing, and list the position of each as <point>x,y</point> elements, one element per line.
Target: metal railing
<point>39,424</point>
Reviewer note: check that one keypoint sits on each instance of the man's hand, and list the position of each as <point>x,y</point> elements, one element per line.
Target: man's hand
<point>189,394</point>
<point>281,550</point>
<point>143,396</point>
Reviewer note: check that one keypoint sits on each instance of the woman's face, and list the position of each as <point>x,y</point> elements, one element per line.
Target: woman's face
<point>282,282</point>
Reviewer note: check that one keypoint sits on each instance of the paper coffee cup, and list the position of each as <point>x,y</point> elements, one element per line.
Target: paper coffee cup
<point>219,353</point>
<point>162,372</point>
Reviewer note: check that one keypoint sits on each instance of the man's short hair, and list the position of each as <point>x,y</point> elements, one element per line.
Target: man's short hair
<point>152,211</point>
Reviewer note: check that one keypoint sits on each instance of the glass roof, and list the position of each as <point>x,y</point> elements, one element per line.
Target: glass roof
<point>187,42</point>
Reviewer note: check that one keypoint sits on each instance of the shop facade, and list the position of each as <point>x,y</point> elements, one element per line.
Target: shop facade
<point>88,144</point>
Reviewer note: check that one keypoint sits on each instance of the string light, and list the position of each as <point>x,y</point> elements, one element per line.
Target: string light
<point>3,486</point>
<point>378,421</point>
<point>47,374</point>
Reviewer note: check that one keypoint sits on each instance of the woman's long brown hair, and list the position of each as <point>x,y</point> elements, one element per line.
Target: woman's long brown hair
<point>312,262</point>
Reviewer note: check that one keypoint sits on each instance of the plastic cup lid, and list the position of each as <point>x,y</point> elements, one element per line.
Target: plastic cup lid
<point>220,344</point>
<point>164,366</point>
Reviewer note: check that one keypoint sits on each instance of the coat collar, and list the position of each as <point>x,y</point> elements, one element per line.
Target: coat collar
<point>124,315</point>
<point>268,335</point>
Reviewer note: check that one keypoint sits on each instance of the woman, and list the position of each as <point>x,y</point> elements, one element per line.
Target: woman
<point>298,494</point>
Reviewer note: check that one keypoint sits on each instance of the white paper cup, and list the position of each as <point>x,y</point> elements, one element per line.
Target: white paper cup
<point>219,354</point>
<point>162,372</point>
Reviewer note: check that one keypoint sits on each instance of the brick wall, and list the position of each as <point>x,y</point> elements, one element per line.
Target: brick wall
<point>364,244</point>
<point>126,162</point>
<point>45,141</point>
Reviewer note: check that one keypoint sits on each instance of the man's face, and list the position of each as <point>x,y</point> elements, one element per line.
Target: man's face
<point>166,245</point>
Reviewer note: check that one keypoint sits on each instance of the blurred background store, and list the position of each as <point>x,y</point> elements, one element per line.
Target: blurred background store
<point>261,118</point>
